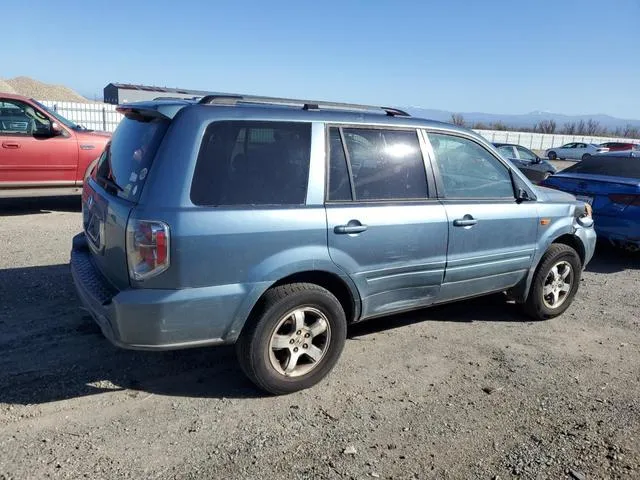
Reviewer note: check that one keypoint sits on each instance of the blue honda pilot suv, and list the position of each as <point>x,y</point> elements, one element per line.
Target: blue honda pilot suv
<point>275,223</point>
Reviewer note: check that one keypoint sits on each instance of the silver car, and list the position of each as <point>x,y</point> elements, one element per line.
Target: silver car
<point>575,151</point>
<point>273,224</point>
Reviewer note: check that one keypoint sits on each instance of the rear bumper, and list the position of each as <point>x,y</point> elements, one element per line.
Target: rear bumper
<point>153,319</point>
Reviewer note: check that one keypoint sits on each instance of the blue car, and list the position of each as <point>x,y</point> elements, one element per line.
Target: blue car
<point>273,224</point>
<point>611,185</point>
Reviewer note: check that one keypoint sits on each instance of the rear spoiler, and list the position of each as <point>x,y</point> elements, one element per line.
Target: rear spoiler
<point>146,111</point>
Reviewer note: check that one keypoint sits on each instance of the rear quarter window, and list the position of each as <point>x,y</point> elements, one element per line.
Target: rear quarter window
<point>252,163</point>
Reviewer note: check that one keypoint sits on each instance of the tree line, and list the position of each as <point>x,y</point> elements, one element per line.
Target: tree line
<point>590,127</point>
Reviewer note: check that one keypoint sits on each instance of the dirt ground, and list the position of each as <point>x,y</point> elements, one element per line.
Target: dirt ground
<point>470,390</point>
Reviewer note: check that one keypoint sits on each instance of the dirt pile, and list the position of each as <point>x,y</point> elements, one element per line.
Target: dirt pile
<point>5,87</point>
<point>41,91</point>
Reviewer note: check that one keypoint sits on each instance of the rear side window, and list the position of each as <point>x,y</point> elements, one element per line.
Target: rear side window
<point>468,170</point>
<point>125,163</point>
<point>385,164</point>
<point>253,163</point>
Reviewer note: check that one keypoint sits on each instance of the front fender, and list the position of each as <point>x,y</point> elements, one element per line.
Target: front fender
<point>565,225</point>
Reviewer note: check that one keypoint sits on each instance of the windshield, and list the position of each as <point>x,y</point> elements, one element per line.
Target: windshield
<point>58,117</point>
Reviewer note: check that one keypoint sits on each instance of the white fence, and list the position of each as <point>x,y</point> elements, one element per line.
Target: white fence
<point>103,116</point>
<point>95,116</point>
<point>542,141</point>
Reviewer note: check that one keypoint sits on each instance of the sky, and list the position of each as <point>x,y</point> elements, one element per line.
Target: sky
<point>493,56</point>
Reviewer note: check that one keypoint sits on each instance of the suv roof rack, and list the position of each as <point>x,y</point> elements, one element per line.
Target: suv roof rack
<point>174,98</point>
<point>233,99</point>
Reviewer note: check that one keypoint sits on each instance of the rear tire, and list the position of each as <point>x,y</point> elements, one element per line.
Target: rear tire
<point>293,339</point>
<point>585,156</point>
<point>552,156</point>
<point>555,282</point>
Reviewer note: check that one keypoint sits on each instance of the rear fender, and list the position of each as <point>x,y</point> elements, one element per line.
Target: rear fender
<point>277,268</point>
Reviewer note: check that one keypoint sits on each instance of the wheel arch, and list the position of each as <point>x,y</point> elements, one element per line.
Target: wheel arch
<point>520,292</point>
<point>340,286</point>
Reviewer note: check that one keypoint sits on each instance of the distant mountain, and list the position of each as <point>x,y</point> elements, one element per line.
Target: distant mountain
<point>522,120</point>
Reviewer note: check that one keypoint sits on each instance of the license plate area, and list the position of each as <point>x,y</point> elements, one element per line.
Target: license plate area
<point>93,225</point>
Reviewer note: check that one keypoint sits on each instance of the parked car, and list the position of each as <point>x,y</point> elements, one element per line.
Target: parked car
<point>611,184</point>
<point>575,151</point>
<point>43,153</point>
<point>535,168</point>
<point>275,223</point>
<point>620,146</point>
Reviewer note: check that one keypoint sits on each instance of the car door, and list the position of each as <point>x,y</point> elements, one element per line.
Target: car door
<point>30,154</point>
<point>385,230</point>
<point>492,236</point>
<point>565,150</point>
<point>579,151</point>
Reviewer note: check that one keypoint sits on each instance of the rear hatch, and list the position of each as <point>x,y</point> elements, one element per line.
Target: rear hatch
<point>115,188</point>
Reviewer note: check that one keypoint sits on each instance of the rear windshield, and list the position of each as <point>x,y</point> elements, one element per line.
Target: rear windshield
<point>611,166</point>
<point>126,161</point>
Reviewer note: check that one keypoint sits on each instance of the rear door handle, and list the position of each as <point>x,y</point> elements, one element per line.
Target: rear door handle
<point>466,221</point>
<point>354,226</point>
<point>10,145</point>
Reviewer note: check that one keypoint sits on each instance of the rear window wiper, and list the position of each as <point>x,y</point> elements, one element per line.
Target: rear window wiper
<point>110,183</point>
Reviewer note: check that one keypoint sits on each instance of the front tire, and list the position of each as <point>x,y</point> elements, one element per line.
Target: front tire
<point>294,338</point>
<point>555,282</point>
<point>552,156</point>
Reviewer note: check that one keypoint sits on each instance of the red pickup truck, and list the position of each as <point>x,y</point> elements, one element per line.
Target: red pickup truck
<point>41,152</point>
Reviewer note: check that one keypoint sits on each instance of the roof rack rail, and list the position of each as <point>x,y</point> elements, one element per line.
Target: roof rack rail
<point>174,98</point>
<point>234,99</point>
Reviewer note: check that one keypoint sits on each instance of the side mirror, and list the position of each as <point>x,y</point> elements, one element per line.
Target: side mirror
<point>522,195</point>
<point>56,129</point>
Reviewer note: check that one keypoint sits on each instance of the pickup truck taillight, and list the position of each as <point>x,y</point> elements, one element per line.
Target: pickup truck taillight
<point>147,248</point>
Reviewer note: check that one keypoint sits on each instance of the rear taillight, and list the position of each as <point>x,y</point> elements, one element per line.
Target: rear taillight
<point>147,248</point>
<point>625,200</point>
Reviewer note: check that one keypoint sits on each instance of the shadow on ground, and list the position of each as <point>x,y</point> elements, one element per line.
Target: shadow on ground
<point>609,259</point>
<point>32,206</point>
<point>52,350</point>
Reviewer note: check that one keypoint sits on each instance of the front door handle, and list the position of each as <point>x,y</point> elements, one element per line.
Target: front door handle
<point>354,226</point>
<point>10,145</point>
<point>466,221</point>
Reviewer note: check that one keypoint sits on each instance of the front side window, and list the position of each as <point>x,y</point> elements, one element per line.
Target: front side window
<point>386,164</point>
<point>569,145</point>
<point>468,170</point>
<point>526,154</point>
<point>253,163</point>
<point>339,181</point>
<point>19,118</point>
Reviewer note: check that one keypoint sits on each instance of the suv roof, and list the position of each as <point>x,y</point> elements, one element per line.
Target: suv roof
<point>286,109</point>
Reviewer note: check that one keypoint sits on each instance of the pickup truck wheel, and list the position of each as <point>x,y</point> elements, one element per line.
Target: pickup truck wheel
<point>555,282</point>
<point>294,339</point>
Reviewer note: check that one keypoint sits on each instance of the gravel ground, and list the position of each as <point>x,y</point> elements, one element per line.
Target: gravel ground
<point>471,390</point>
